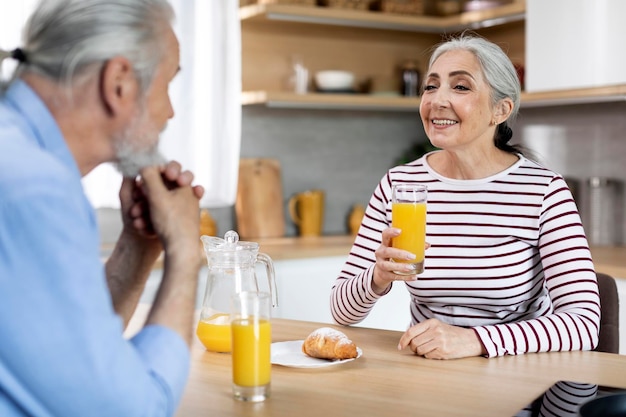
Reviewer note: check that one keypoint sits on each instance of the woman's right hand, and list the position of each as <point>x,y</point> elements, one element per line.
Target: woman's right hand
<point>383,271</point>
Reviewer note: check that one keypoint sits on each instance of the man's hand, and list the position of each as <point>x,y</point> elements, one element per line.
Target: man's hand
<point>139,245</point>
<point>174,218</point>
<point>135,208</point>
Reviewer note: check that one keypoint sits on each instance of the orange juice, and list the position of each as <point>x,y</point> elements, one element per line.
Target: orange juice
<point>214,333</point>
<point>251,352</point>
<point>411,219</point>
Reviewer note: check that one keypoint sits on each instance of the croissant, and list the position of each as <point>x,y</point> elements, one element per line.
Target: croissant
<point>327,343</point>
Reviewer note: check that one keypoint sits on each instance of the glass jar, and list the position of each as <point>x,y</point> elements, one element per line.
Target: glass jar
<point>409,79</point>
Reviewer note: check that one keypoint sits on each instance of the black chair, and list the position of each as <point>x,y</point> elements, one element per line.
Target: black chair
<point>609,310</point>
<point>608,336</point>
<point>608,406</point>
<point>608,340</point>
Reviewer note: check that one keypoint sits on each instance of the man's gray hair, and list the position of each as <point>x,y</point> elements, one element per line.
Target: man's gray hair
<point>497,68</point>
<point>63,38</point>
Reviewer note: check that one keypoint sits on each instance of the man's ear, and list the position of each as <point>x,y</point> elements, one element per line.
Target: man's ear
<point>118,86</point>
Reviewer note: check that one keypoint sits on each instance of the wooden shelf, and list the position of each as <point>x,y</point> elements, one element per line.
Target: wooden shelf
<point>605,94</point>
<point>391,103</point>
<point>513,12</point>
<point>330,101</point>
<point>264,88</point>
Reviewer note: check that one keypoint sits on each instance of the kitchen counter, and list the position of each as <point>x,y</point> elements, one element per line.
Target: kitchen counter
<point>610,260</point>
<point>282,248</point>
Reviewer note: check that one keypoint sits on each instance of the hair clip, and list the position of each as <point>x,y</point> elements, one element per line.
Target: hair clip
<point>19,55</point>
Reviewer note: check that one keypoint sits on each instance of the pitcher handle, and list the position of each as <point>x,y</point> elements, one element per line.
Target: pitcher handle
<point>271,276</point>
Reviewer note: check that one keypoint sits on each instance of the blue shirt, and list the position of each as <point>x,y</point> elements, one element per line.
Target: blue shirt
<point>62,352</point>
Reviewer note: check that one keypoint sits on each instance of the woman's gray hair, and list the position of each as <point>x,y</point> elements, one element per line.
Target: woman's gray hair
<point>497,68</point>
<point>63,38</point>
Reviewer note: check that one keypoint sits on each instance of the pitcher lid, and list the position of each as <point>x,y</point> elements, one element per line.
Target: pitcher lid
<point>230,243</point>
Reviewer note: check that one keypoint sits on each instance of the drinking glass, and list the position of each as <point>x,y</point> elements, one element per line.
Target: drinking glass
<point>251,342</point>
<point>408,213</point>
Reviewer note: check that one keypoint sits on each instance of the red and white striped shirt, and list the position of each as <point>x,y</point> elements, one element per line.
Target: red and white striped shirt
<point>508,258</point>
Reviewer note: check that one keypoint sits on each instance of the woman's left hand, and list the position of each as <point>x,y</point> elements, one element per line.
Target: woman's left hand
<point>434,339</point>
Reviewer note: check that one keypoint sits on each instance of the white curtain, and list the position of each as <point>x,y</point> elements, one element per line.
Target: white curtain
<point>13,16</point>
<point>205,134</point>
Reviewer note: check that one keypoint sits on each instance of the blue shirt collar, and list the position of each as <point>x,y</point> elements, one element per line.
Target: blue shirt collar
<point>42,127</point>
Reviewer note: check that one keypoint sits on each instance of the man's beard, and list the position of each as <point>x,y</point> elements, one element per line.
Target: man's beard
<point>131,152</point>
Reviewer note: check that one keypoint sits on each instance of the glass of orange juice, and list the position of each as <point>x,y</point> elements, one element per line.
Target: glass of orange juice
<point>251,341</point>
<point>408,213</point>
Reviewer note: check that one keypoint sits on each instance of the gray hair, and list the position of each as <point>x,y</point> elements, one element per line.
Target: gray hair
<point>63,38</point>
<point>497,68</point>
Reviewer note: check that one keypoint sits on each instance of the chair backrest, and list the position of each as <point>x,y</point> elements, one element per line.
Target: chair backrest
<point>609,309</point>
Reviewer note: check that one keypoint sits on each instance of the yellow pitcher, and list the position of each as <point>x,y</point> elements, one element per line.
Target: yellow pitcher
<point>307,212</point>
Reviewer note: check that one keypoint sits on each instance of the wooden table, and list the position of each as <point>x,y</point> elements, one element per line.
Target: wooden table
<point>386,382</point>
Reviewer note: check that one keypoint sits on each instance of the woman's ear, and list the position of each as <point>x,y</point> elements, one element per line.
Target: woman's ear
<point>503,110</point>
<point>118,86</point>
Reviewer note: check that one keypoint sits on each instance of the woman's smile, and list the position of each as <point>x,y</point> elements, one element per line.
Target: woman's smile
<point>444,122</point>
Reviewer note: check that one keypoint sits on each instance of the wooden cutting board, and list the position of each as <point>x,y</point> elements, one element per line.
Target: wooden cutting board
<point>259,206</point>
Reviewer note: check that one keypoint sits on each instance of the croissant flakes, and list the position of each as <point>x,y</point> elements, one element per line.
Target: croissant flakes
<point>327,343</point>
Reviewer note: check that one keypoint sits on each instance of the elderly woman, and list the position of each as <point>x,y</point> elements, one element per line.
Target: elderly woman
<point>508,270</point>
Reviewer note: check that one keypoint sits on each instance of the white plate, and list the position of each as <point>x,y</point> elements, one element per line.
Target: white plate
<point>290,354</point>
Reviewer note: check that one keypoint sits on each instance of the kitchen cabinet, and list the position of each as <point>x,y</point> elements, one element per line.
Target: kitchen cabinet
<point>304,287</point>
<point>582,52</point>
<point>371,45</point>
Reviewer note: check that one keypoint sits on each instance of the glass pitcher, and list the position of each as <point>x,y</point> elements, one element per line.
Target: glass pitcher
<point>231,271</point>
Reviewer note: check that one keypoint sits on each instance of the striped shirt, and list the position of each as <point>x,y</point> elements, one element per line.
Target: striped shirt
<point>508,257</point>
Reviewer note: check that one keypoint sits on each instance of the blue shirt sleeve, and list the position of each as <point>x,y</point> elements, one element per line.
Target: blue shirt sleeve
<point>154,343</point>
<point>62,350</point>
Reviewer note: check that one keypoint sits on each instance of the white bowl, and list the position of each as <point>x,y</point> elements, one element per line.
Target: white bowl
<point>334,80</point>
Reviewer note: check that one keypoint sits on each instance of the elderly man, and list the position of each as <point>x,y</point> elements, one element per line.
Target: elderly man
<point>92,87</point>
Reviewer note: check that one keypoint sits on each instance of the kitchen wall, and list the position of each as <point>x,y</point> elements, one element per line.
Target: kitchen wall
<point>581,141</point>
<point>345,153</point>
